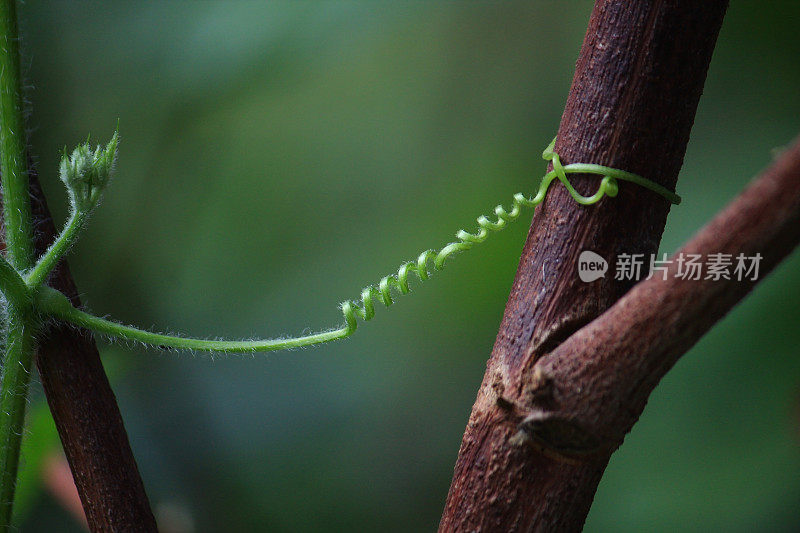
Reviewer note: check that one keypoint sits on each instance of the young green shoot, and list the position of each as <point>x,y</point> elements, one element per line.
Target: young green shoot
<point>85,173</point>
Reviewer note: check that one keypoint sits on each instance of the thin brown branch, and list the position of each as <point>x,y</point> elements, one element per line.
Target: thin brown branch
<point>84,408</point>
<point>85,411</point>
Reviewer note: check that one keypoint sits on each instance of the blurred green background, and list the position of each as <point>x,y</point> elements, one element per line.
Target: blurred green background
<point>277,157</point>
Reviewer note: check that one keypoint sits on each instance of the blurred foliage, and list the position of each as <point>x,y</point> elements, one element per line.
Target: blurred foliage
<point>276,157</point>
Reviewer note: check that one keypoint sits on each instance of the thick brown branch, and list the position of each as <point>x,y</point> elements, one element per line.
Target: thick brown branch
<point>86,413</point>
<point>637,83</point>
<point>598,380</point>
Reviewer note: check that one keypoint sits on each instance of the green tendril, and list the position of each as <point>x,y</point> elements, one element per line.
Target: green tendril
<point>608,187</point>
<point>56,304</point>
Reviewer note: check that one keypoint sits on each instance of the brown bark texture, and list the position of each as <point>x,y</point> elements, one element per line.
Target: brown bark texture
<point>637,83</point>
<point>85,410</point>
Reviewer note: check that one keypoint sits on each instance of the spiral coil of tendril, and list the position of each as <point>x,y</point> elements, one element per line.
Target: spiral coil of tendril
<point>352,309</point>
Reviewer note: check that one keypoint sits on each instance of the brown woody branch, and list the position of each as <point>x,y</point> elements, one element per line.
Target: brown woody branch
<point>596,383</point>
<point>633,98</point>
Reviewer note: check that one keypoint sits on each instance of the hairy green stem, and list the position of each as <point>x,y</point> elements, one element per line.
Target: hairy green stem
<point>11,283</point>
<point>22,321</point>
<point>53,303</point>
<point>14,161</point>
<point>37,276</point>
<point>16,378</point>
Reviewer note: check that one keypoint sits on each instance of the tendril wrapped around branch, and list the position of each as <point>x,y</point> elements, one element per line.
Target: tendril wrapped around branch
<point>52,302</point>
<point>365,309</point>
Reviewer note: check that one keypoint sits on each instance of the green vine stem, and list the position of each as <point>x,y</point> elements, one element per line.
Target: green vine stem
<point>16,205</point>
<point>38,274</point>
<point>53,303</point>
<point>13,401</point>
<point>11,283</point>
<point>22,321</point>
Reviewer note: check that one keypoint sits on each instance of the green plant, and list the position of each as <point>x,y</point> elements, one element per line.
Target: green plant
<point>86,173</point>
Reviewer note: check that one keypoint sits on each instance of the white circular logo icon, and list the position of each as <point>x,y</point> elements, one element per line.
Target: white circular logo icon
<point>591,266</point>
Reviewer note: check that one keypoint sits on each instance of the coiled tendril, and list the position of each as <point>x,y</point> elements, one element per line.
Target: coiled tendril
<point>54,303</point>
<point>365,310</point>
